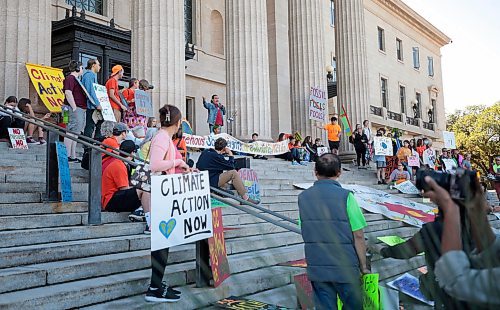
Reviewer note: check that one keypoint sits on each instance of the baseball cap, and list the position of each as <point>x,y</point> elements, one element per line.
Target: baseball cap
<point>116,69</point>
<point>128,146</point>
<point>119,128</point>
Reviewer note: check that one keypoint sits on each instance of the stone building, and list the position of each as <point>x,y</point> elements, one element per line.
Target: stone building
<point>260,56</point>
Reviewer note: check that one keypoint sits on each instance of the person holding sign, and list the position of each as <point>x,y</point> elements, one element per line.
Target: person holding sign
<point>332,228</point>
<point>88,80</point>
<point>131,118</point>
<point>7,121</point>
<point>163,160</point>
<point>334,134</point>
<point>380,161</point>
<point>114,92</point>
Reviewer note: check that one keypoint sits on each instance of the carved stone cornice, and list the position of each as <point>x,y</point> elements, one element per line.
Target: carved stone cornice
<point>414,20</point>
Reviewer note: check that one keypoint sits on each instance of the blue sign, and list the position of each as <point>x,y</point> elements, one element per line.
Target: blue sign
<point>64,175</point>
<point>143,103</point>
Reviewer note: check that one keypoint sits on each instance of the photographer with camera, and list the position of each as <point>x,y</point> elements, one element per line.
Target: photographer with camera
<point>467,278</point>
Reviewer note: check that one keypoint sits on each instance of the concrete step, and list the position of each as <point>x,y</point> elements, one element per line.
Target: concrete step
<point>279,199</point>
<point>79,176</point>
<point>42,208</point>
<point>23,187</point>
<point>284,296</point>
<point>21,198</point>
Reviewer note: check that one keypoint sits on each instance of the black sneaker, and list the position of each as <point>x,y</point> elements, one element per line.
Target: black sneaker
<point>172,290</point>
<point>162,294</point>
<point>137,216</point>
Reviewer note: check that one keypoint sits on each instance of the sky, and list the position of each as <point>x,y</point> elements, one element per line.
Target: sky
<point>471,63</point>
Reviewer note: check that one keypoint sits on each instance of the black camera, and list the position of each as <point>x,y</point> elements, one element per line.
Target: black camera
<point>460,183</point>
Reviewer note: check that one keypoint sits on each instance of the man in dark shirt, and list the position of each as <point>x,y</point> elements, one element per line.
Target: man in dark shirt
<point>215,163</point>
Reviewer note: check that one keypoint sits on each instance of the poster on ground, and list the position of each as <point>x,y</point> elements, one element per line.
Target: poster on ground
<point>407,187</point>
<point>409,285</point>
<point>217,249</point>
<point>102,95</point>
<point>251,182</point>
<point>64,174</point>
<point>48,83</point>
<point>382,146</point>
<point>317,104</point>
<point>143,103</point>
<point>394,207</point>
<point>449,140</point>
<point>239,303</point>
<point>18,138</point>
<point>180,209</point>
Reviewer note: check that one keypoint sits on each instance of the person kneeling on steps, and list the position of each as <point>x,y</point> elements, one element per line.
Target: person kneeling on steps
<point>215,163</point>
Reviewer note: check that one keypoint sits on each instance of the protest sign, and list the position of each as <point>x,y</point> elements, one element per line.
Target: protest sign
<point>251,182</point>
<point>407,187</point>
<point>345,122</point>
<point>429,157</point>
<point>391,240</point>
<point>143,103</point>
<point>186,127</point>
<point>449,164</point>
<point>382,146</point>
<point>409,285</point>
<point>394,207</point>
<point>392,164</point>
<point>180,209</point>
<point>449,140</point>
<point>102,95</point>
<point>414,161</point>
<point>238,303</point>
<point>217,249</point>
<point>17,138</point>
<point>48,83</point>
<point>64,175</point>
<point>304,291</point>
<point>317,104</point>
<point>322,150</point>
<point>235,145</point>
<point>371,296</point>
<point>217,203</point>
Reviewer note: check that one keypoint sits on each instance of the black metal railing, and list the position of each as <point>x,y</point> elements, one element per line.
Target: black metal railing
<point>376,110</point>
<point>394,116</point>
<point>412,121</point>
<point>429,126</point>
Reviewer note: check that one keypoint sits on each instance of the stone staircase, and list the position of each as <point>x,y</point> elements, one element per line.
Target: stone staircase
<point>50,258</point>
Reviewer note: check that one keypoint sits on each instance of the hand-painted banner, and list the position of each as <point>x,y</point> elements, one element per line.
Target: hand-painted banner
<point>217,249</point>
<point>345,122</point>
<point>64,174</point>
<point>371,295</point>
<point>180,209</point>
<point>409,285</point>
<point>143,103</point>
<point>449,140</point>
<point>382,146</point>
<point>18,138</point>
<point>48,83</point>
<point>407,187</point>
<point>251,182</point>
<point>102,95</point>
<point>238,303</point>
<point>391,206</point>
<point>255,148</point>
<point>317,104</point>
<point>392,164</point>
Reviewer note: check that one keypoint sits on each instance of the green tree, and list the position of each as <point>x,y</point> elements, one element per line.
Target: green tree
<point>477,131</point>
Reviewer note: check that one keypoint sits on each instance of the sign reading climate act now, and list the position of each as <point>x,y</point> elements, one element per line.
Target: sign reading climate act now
<point>180,209</point>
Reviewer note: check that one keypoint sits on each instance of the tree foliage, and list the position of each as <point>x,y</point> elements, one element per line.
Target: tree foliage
<point>477,131</point>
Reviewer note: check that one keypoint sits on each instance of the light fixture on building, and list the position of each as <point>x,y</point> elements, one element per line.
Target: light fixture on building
<point>329,70</point>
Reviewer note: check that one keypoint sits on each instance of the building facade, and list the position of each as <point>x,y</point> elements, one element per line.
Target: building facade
<point>261,57</point>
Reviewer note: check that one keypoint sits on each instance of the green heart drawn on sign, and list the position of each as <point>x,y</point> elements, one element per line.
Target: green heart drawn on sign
<point>166,228</point>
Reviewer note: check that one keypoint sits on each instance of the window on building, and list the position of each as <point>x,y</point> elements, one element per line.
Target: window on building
<point>381,39</point>
<point>383,89</point>
<point>430,65</point>
<point>217,31</point>
<point>418,97</point>
<point>332,13</point>
<point>188,21</point>
<point>416,58</point>
<point>402,98</point>
<point>399,49</point>
<point>95,6</point>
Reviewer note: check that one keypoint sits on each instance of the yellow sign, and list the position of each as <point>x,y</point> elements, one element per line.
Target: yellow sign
<point>48,83</point>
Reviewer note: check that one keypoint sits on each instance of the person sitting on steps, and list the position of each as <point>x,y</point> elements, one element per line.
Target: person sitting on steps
<point>213,161</point>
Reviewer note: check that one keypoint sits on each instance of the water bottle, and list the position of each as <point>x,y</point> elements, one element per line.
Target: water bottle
<point>65,113</point>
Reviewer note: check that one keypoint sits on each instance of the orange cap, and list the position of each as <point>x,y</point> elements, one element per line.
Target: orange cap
<point>116,69</point>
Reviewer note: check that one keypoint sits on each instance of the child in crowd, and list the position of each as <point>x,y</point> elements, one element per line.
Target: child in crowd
<point>399,175</point>
<point>380,161</point>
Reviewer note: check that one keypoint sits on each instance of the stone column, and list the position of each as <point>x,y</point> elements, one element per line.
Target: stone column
<point>352,68</point>
<point>25,37</point>
<point>247,67</point>
<point>158,49</point>
<point>307,60</point>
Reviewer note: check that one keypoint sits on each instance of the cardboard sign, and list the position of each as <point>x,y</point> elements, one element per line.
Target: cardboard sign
<point>391,240</point>
<point>407,187</point>
<point>322,150</point>
<point>48,83</point>
<point>392,163</point>
<point>102,95</point>
<point>143,103</point>
<point>414,161</point>
<point>449,140</point>
<point>449,164</point>
<point>383,146</point>
<point>251,182</point>
<point>217,248</point>
<point>238,303</point>
<point>429,157</point>
<point>371,296</point>
<point>409,285</point>
<point>317,104</point>
<point>180,209</point>
<point>304,291</point>
<point>18,138</point>
<point>64,175</point>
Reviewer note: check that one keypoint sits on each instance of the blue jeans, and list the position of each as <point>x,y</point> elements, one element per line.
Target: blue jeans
<point>325,295</point>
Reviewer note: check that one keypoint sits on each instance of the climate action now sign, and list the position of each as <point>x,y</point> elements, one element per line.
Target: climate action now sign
<point>180,209</point>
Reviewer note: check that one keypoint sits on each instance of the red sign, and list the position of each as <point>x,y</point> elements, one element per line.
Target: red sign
<point>217,248</point>
<point>392,164</point>
<point>304,291</point>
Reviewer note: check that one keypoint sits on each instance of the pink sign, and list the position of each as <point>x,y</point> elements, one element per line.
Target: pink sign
<point>414,161</point>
